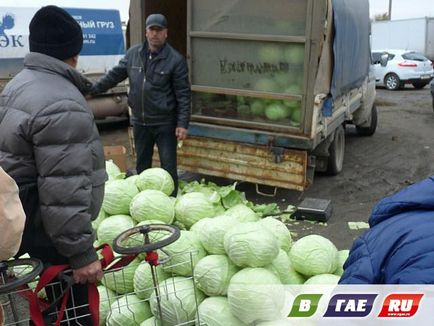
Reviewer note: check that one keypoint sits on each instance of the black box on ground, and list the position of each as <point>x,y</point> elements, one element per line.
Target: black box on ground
<point>314,209</point>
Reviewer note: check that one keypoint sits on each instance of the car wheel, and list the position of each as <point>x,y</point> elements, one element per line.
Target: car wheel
<point>369,131</point>
<point>336,152</point>
<point>392,82</point>
<point>419,85</point>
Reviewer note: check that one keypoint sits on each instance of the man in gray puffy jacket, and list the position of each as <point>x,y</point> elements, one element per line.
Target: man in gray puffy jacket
<point>50,145</point>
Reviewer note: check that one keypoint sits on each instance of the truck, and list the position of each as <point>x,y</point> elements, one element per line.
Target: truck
<point>103,47</point>
<point>274,83</point>
<point>408,34</point>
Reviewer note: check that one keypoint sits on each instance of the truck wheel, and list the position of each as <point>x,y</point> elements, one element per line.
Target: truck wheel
<point>336,152</point>
<point>392,82</point>
<point>369,131</point>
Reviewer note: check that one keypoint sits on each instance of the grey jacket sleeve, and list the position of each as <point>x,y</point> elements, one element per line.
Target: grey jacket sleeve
<point>63,155</point>
<point>112,78</point>
<point>182,89</point>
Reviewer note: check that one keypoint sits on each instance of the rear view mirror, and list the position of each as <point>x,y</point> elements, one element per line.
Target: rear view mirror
<point>383,59</point>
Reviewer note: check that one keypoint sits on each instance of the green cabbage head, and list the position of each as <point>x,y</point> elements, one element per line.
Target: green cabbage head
<point>256,294</point>
<point>313,255</point>
<point>128,310</point>
<point>112,226</point>
<point>152,205</point>
<point>215,311</point>
<point>280,230</point>
<point>121,280</point>
<point>192,207</point>
<point>157,179</point>
<point>281,267</point>
<point>96,222</point>
<point>242,213</point>
<point>178,298</point>
<point>251,245</point>
<point>113,171</point>
<point>143,282</point>
<point>213,273</point>
<point>184,254</point>
<point>342,257</point>
<point>117,197</point>
<point>211,232</point>
<point>106,298</point>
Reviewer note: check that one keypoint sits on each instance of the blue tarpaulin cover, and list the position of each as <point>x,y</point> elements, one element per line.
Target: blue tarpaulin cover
<point>351,47</point>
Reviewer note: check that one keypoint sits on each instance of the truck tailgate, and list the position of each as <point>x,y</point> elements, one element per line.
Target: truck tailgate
<point>252,163</point>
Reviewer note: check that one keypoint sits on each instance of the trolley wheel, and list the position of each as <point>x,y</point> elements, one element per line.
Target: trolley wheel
<point>25,271</point>
<point>145,238</point>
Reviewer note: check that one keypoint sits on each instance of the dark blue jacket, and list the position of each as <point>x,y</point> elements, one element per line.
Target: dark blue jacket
<point>399,247</point>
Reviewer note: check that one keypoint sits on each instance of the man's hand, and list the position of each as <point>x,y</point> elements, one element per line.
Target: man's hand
<point>181,133</point>
<point>88,274</point>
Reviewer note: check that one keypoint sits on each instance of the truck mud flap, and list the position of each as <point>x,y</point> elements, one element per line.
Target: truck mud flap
<point>263,165</point>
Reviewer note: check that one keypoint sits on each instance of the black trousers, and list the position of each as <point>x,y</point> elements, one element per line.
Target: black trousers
<point>145,137</point>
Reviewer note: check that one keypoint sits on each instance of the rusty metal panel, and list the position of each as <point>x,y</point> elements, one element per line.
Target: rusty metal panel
<point>251,163</point>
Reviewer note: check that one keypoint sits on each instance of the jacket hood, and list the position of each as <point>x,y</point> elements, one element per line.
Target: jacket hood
<point>417,197</point>
<point>42,62</point>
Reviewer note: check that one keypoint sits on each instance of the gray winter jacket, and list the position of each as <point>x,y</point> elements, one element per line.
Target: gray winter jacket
<point>50,145</point>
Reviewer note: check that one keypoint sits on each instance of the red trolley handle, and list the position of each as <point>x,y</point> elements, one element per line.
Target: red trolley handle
<point>53,272</point>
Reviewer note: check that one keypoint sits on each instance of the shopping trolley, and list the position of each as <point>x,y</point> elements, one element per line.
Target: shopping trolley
<point>25,287</point>
<point>19,291</point>
<point>151,241</point>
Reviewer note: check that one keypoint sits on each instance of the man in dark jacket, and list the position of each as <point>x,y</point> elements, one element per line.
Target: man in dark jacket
<point>399,247</point>
<point>160,96</point>
<point>50,145</point>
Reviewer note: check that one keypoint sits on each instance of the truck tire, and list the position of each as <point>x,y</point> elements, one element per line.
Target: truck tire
<point>336,152</point>
<point>369,131</point>
<point>392,82</point>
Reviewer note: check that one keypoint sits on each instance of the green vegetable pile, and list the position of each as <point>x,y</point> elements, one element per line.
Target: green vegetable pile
<point>228,267</point>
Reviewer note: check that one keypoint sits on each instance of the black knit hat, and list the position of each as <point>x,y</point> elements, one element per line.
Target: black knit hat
<point>55,33</point>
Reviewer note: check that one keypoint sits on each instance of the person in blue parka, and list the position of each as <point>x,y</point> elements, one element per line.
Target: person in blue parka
<point>399,247</point>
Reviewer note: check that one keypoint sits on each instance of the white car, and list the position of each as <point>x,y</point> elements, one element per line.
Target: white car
<point>395,68</point>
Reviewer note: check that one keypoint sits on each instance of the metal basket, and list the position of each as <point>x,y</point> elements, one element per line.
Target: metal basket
<point>119,298</point>
<point>164,291</point>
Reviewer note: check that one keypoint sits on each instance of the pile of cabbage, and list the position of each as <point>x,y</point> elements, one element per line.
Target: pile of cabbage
<point>228,267</point>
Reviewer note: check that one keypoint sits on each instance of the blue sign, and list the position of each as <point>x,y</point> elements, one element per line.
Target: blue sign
<point>102,31</point>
